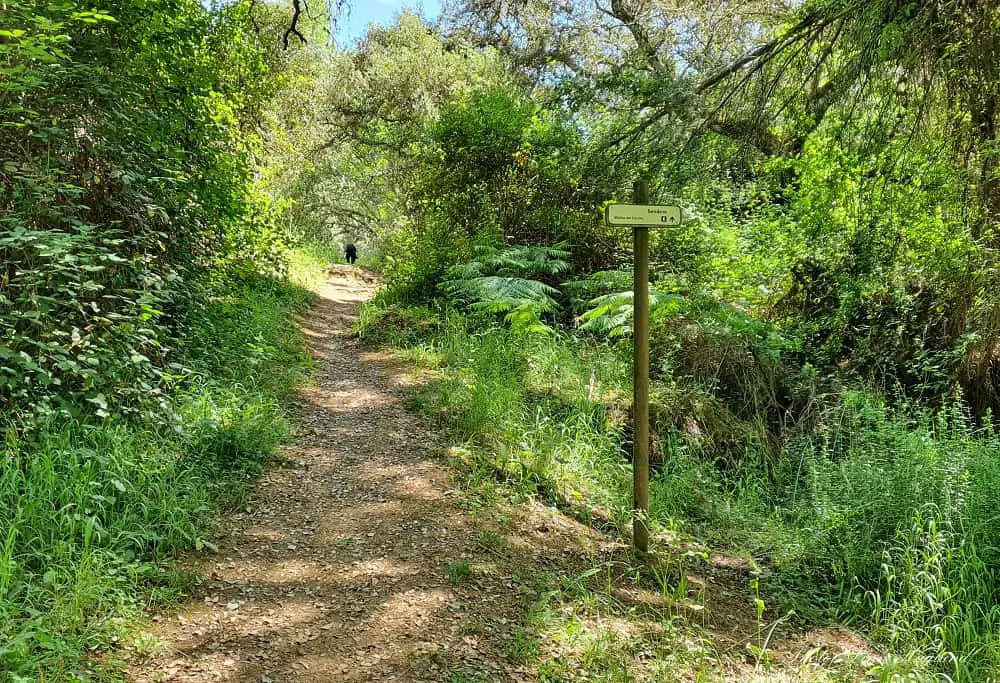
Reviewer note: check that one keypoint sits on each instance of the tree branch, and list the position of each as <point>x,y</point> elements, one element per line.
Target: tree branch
<point>293,27</point>
<point>814,21</point>
<point>625,14</point>
<point>750,131</point>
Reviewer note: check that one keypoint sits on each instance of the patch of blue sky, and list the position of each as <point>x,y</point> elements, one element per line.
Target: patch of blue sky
<point>354,20</point>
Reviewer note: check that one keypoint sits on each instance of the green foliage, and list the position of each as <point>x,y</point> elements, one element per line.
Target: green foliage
<point>142,355</point>
<point>98,505</point>
<point>350,136</point>
<point>532,410</point>
<point>379,322</point>
<point>935,601</point>
<point>876,296</point>
<point>841,196</point>
<point>506,171</point>
<point>524,260</point>
<point>497,283</point>
<point>459,571</point>
<point>880,520</point>
<point>839,248</point>
<point>841,511</point>
<point>479,139</point>
<point>238,334</point>
<point>611,315</point>
<point>920,568</point>
<point>491,169</point>
<point>118,187</point>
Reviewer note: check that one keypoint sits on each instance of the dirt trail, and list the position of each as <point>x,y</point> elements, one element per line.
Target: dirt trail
<point>342,566</point>
<point>357,562</point>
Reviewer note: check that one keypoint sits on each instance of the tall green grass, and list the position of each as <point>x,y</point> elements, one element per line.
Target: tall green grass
<point>883,516</point>
<point>887,520</point>
<point>528,407</point>
<point>89,510</point>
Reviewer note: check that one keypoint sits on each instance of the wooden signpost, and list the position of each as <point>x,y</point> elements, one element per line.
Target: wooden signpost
<point>641,216</point>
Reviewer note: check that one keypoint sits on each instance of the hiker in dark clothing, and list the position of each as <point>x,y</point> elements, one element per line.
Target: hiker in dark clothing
<point>351,252</point>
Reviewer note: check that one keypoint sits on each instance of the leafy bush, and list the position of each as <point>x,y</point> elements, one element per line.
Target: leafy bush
<point>876,271</point>
<point>879,514</point>
<point>117,191</point>
<point>611,315</point>
<point>497,169</point>
<point>498,283</point>
<point>881,520</point>
<point>96,505</point>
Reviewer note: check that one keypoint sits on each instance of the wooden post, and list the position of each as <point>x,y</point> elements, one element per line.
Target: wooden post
<point>640,377</point>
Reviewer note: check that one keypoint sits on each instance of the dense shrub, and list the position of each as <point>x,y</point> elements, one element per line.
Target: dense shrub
<point>498,170</point>
<point>118,189</point>
<point>143,354</point>
<point>93,507</point>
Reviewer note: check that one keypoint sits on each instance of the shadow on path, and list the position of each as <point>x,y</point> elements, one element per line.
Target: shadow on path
<point>357,563</point>
<point>341,566</point>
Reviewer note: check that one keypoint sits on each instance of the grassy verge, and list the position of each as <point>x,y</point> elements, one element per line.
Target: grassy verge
<point>91,509</point>
<point>531,409</point>
<point>881,517</point>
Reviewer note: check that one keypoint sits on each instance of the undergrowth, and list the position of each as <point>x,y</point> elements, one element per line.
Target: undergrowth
<point>529,407</point>
<point>92,508</point>
<point>882,516</point>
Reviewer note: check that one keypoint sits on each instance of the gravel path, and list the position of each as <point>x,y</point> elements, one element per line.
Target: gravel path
<point>356,562</point>
<point>343,566</point>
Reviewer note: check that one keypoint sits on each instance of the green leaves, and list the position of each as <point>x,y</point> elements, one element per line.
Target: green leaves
<point>611,314</point>
<point>93,17</point>
<point>498,283</point>
<point>541,260</point>
<point>496,294</point>
<point>127,175</point>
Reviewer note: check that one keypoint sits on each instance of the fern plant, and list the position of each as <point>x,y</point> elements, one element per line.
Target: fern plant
<point>500,281</point>
<point>611,314</point>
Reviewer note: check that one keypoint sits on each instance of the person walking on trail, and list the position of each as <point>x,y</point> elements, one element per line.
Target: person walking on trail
<point>351,252</point>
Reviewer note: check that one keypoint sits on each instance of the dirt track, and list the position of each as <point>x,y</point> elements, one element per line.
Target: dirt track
<point>356,562</point>
<point>342,567</point>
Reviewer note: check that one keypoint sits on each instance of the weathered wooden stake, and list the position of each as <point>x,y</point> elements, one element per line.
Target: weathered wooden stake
<point>640,377</point>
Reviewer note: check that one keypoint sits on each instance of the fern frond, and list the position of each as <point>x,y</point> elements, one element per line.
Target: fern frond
<point>525,319</point>
<point>466,271</point>
<point>530,259</point>
<point>612,314</point>
<point>598,283</point>
<point>499,282</point>
<point>499,294</point>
